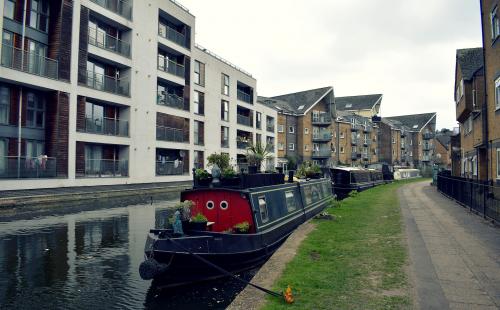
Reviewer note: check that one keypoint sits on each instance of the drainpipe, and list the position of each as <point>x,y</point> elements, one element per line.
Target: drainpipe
<point>19,118</point>
<point>484,109</point>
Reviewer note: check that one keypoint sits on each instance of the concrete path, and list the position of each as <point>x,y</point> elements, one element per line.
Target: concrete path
<point>454,255</point>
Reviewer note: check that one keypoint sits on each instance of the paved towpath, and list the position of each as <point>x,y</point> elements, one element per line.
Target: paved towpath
<point>454,255</point>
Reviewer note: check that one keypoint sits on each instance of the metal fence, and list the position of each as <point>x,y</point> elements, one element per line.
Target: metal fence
<point>170,134</point>
<point>167,65</point>
<point>108,83</point>
<point>242,96</point>
<point>15,58</point>
<point>102,168</point>
<point>479,197</point>
<point>12,167</point>
<point>120,7</point>
<point>169,168</point>
<point>108,42</point>
<point>170,100</point>
<point>107,126</point>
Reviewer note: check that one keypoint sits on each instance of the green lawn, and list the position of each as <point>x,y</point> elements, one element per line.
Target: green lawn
<point>355,262</point>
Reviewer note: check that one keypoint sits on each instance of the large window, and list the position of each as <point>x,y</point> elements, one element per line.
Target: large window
<point>39,15</point>
<point>35,111</point>
<point>291,204</point>
<point>225,84</point>
<point>224,110</point>
<point>224,136</point>
<point>264,216</point>
<point>199,133</point>
<point>199,103</point>
<point>9,9</point>
<point>495,24</point>
<point>199,73</point>
<point>34,148</point>
<point>497,93</point>
<point>3,155</point>
<point>258,122</point>
<point>468,125</point>
<point>94,117</point>
<point>4,104</point>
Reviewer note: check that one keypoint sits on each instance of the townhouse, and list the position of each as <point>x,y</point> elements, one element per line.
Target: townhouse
<point>443,150</point>
<point>304,125</point>
<point>116,92</point>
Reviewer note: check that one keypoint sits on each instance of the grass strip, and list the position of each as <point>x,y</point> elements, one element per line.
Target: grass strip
<point>356,261</point>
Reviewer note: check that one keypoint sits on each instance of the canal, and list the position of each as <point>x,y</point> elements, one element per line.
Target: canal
<point>87,257</point>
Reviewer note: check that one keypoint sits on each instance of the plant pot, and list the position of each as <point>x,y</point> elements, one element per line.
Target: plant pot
<point>252,169</point>
<point>201,226</point>
<point>234,181</point>
<point>204,182</point>
<point>279,169</point>
<point>185,225</point>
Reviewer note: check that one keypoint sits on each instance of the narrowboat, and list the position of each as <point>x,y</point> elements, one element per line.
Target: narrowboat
<point>272,208</point>
<point>405,173</point>
<point>347,179</point>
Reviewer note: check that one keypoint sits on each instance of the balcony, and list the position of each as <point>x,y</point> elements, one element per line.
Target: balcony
<point>403,134</point>
<point>367,129</point>
<point>270,127</point>
<point>243,145</point>
<point>13,167</point>
<point>321,119</point>
<point>169,168</point>
<point>242,96</point>
<point>464,105</point>
<point>426,158</point>
<point>354,141</point>
<point>120,7</point>
<point>106,168</point>
<point>322,137</point>
<point>367,142</point>
<point>355,127</point>
<point>365,157</point>
<point>172,35</point>
<point>109,43</point>
<point>170,100</point>
<point>108,84</point>
<point>244,120</point>
<point>171,134</point>
<point>107,126</point>
<point>321,153</point>
<point>355,155</point>
<point>428,136</point>
<point>15,58</point>
<point>169,66</point>
<point>427,147</point>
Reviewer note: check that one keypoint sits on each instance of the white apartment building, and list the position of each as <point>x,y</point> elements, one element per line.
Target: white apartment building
<point>110,92</point>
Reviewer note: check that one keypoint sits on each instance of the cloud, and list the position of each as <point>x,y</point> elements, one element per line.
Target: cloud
<point>404,49</point>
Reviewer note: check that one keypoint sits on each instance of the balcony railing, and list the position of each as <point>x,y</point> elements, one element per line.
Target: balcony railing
<point>322,136</point>
<point>321,153</point>
<point>426,158</point>
<point>120,7</point>
<point>13,167</point>
<point>367,142</point>
<point>321,119</point>
<point>270,147</point>
<point>15,58</point>
<point>108,84</point>
<point>354,141</point>
<point>170,134</point>
<point>110,43</point>
<point>355,155</point>
<point>428,135</point>
<point>365,156</point>
<point>106,168</point>
<point>244,120</point>
<point>169,168</point>
<point>270,127</point>
<point>172,35</point>
<point>355,127</point>
<point>367,128</point>
<point>242,96</point>
<point>107,126</point>
<point>242,145</point>
<point>167,65</point>
<point>170,100</point>
<point>427,147</point>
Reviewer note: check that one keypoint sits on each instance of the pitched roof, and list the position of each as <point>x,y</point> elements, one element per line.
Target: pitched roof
<point>300,102</point>
<point>276,104</point>
<point>364,102</point>
<point>470,61</point>
<point>444,139</point>
<point>415,122</point>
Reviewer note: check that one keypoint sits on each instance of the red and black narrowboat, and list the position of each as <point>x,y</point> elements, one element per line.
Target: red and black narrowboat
<point>273,210</point>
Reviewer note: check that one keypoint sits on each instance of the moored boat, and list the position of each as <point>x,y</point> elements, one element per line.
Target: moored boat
<point>347,179</point>
<point>271,211</point>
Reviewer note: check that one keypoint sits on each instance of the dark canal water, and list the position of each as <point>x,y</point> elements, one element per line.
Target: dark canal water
<point>88,258</point>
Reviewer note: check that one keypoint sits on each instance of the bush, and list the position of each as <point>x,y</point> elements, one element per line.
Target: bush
<point>221,160</point>
<point>201,174</point>
<point>308,170</point>
<point>229,173</point>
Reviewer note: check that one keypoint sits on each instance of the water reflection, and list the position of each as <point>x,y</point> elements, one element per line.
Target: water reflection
<point>89,260</point>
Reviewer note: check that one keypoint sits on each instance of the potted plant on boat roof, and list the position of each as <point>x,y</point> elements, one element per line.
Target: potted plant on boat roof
<point>256,154</point>
<point>230,177</point>
<point>184,207</point>
<point>221,160</point>
<point>242,228</point>
<point>199,222</point>
<point>202,176</point>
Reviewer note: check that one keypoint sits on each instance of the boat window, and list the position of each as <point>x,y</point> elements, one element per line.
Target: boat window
<point>315,193</point>
<point>224,205</point>
<point>307,195</point>
<point>210,205</point>
<point>326,190</point>
<point>264,216</point>
<point>291,204</point>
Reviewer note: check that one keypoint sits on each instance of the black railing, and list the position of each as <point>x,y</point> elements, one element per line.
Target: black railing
<point>479,197</point>
<point>14,58</point>
<point>169,168</point>
<point>120,7</point>
<point>107,126</point>
<point>110,43</point>
<point>244,120</point>
<point>242,96</point>
<point>171,134</point>
<point>12,167</point>
<point>120,86</point>
<point>169,66</point>
<point>106,168</point>
<point>170,100</point>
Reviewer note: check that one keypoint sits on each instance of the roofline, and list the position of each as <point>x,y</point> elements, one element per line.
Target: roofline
<point>312,105</point>
<point>379,99</point>
<point>430,119</point>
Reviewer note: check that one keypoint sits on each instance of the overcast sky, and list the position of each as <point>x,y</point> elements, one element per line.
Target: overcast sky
<point>404,49</point>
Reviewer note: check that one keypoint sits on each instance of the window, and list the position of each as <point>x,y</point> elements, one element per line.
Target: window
<point>474,165</point>
<point>497,93</point>
<point>259,120</point>
<point>342,136</point>
<point>459,93</point>
<point>258,138</point>
<point>9,8</point>
<point>334,149</point>
<point>306,131</point>
<point>280,128</point>
<point>281,147</point>
<point>199,133</point>
<point>291,146</point>
<point>210,205</point>
<point>34,148</point>
<point>393,140</point>
<point>199,102</point>
<point>199,73</point>
<point>4,104</point>
<point>225,84</point>
<point>3,155</point>
<point>342,150</point>
<point>94,117</point>
<point>198,159</point>
<point>291,204</point>
<point>224,136</point>
<point>224,110</point>
<point>498,163</point>
<point>334,134</point>
<point>468,125</point>
<point>291,129</point>
<point>495,24</point>
<point>35,111</point>
<point>224,205</point>
<point>306,147</point>
<point>264,216</point>
<point>39,15</point>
